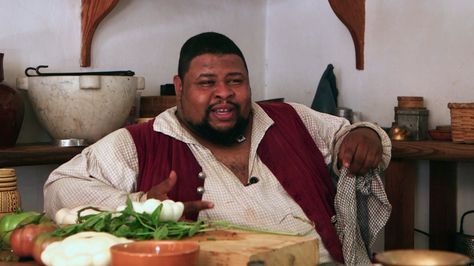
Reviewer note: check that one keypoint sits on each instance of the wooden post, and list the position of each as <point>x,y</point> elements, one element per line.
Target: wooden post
<point>400,180</point>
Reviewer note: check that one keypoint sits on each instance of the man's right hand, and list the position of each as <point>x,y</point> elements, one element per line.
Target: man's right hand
<point>161,190</point>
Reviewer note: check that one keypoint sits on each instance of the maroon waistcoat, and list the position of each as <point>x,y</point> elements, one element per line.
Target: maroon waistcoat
<point>287,149</point>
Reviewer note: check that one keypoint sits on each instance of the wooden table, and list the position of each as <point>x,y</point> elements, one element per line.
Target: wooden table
<point>236,248</point>
<point>400,186</point>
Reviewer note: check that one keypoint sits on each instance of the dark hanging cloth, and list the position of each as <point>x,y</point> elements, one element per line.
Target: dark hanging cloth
<point>325,100</point>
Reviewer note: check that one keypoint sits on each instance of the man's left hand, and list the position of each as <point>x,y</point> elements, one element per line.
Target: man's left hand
<point>360,151</point>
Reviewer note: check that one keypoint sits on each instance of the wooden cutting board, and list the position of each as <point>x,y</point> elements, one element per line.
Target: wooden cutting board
<point>235,248</point>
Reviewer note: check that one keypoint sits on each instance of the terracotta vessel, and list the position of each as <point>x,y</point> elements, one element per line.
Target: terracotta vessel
<point>11,112</point>
<point>155,252</point>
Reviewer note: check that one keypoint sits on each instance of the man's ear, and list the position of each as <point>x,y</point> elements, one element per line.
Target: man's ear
<point>178,85</point>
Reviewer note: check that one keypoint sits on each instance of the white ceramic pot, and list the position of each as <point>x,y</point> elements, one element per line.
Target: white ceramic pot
<point>81,107</point>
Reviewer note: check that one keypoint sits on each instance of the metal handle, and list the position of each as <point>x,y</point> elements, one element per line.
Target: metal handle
<point>104,73</point>
<point>461,230</point>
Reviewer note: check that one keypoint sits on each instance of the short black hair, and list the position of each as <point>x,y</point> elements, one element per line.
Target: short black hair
<point>206,43</point>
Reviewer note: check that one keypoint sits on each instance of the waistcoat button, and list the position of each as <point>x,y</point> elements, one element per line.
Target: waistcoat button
<point>200,190</point>
<point>201,175</point>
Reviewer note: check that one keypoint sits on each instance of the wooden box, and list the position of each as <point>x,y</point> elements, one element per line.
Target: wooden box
<point>151,106</point>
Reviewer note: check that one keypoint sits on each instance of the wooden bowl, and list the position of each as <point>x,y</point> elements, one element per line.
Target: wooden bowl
<point>436,134</point>
<point>422,257</point>
<point>7,172</point>
<point>155,252</point>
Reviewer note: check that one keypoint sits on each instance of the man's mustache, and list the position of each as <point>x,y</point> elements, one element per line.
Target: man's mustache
<point>235,105</point>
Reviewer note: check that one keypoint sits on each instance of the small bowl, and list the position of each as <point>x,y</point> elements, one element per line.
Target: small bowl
<point>421,257</point>
<point>436,134</point>
<point>155,252</point>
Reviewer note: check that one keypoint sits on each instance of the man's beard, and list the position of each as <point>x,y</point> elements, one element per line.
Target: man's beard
<point>222,137</point>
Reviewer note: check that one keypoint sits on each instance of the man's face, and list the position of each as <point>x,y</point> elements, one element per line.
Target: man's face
<point>214,99</point>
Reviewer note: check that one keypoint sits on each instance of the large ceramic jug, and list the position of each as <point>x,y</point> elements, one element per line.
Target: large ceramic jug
<point>11,112</point>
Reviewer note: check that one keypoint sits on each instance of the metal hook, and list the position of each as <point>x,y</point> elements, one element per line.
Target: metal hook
<point>38,73</point>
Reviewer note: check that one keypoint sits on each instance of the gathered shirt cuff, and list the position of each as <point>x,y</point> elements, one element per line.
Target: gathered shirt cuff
<point>386,144</point>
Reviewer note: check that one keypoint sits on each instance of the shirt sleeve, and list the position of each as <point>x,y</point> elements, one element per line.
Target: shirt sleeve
<point>356,220</point>
<point>328,132</point>
<point>384,138</point>
<point>102,175</point>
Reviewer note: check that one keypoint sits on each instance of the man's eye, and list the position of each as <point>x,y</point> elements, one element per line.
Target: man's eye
<point>235,81</point>
<point>206,83</point>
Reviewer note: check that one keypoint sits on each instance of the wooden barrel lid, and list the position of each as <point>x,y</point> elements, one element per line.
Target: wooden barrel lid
<point>410,102</point>
<point>410,98</point>
<point>7,172</point>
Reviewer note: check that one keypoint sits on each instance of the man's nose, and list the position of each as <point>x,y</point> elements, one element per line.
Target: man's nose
<point>224,91</point>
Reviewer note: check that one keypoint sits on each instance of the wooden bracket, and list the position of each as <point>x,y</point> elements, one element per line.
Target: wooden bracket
<point>352,15</point>
<point>92,13</point>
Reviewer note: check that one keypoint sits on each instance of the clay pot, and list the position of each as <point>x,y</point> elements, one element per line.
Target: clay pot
<point>11,112</point>
<point>155,252</point>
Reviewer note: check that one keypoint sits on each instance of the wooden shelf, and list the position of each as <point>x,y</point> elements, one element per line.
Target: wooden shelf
<point>432,150</point>
<point>44,153</point>
<point>34,154</point>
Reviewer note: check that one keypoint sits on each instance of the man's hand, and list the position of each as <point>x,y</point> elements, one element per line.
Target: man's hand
<point>360,151</point>
<point>161,190</point>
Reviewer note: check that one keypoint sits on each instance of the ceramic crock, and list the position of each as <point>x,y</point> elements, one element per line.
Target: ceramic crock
<point>81,106</point>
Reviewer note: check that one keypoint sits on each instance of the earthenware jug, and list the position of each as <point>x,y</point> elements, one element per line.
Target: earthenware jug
<point>11,112</point>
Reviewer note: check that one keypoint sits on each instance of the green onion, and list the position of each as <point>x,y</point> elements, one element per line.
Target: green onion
<point>143,226</point>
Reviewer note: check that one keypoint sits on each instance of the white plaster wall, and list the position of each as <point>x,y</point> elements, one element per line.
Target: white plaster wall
<point>412,48</point>
<point>421,47</point>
